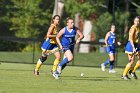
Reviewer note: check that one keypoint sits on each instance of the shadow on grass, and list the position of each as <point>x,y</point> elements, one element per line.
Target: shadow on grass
<point>16,70</point>
<point>91,78</point>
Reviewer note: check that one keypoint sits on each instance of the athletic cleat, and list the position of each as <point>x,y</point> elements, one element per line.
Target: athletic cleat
<point>102,67</point>
<point>125,77</point>
<point>56,76</point>
<point>133,74</point>
<point>59,69</point>
<point>36,72</point>
<point>112,71</point>
<point>53,74</point>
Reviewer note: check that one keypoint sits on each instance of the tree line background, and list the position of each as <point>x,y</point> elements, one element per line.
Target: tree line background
<point>31,18</point>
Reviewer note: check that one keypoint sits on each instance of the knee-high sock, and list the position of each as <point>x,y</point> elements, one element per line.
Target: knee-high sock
<point>38,65</point>
<point>64,66</point>
<point>56,72</point>
<point>107,62</point>
<point>127,68</point>
<point>63,62</point>
<point>111,65</point>
<point>55,64</point>
<point>39,62</point>
<point>136,66</point>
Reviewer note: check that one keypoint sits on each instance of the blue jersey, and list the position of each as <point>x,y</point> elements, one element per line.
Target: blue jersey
<point>68,37</point>
<point>111,39</point>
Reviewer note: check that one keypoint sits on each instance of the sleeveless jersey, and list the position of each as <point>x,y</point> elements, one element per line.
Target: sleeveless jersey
<point>136,36</point>
<point>68,37</point>
<point>54,32</point>
<point>111,39</point>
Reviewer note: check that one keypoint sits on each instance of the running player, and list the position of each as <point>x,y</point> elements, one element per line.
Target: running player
<point>110,41</point>
<point>68,34</point>
<point>50,45</point>
<point>132,49</point>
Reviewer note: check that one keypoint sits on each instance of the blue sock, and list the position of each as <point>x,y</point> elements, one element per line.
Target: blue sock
<point>107,62</point>
<point>64,62</point>
<point>64,66</point>
<point>111,65</point>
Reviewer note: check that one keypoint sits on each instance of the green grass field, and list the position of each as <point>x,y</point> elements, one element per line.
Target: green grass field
<point>82,59</point>
<point>19,78</point>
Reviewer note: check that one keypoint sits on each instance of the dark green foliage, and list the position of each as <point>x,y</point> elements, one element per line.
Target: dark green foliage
<point>28,18</point>
<point>31,18</point>
<point>11,46</point>
<point>102,25</point>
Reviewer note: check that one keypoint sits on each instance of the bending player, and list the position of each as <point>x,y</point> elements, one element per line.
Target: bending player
<point>68,34</point>
<point>50,45</point>
<point>131,49</point>
<point>110,41</point>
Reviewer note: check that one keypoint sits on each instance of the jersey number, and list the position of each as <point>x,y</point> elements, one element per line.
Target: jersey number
<point>113,41</point>
<point>70,40</point>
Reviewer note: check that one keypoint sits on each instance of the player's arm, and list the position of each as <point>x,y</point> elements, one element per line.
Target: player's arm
<point>106,38</point>
<point>80,34</point>
<point>59,35</point>
<point>50,30</point>
<point>131,35</point>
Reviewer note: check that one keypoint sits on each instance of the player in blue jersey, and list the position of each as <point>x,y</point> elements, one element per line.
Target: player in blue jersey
<point>49,45</point>
<point>67,42</point>
<point>110,41</point>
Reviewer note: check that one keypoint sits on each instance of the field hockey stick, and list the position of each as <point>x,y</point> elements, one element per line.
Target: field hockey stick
<point>106,45</point>
<point>52,52</point>
<point>59,49</point>
<point>138,37</point>
<point>132,55</point>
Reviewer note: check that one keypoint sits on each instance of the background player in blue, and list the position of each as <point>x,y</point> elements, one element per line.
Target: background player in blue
<point>49,45</point>
<point>68,34</point>
<point>110,41</point>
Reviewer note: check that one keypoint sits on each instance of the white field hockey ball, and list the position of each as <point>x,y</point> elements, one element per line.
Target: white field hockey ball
<point>82,74</point>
